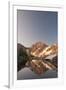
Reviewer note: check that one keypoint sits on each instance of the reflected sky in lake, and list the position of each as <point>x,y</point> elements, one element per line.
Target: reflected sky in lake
<point>26,73</point>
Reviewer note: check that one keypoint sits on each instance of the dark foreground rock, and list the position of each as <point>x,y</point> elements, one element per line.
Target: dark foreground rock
<point>22,56</point>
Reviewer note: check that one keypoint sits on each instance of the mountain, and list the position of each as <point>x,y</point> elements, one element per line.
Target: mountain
<point>42,50</point>
<point>37,48</point>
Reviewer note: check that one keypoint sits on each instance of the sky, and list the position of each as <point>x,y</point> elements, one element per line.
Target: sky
<point>37,26</point>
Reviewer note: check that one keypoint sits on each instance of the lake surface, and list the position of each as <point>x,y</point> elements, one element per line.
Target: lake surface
<point>26,73</point>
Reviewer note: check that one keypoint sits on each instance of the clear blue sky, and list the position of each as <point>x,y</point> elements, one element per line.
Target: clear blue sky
<point>34,26</point>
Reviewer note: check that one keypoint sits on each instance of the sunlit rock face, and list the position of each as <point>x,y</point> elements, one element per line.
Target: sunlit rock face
<point>37,48</point>
<point>43,50</point>
<point>39,58</point>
